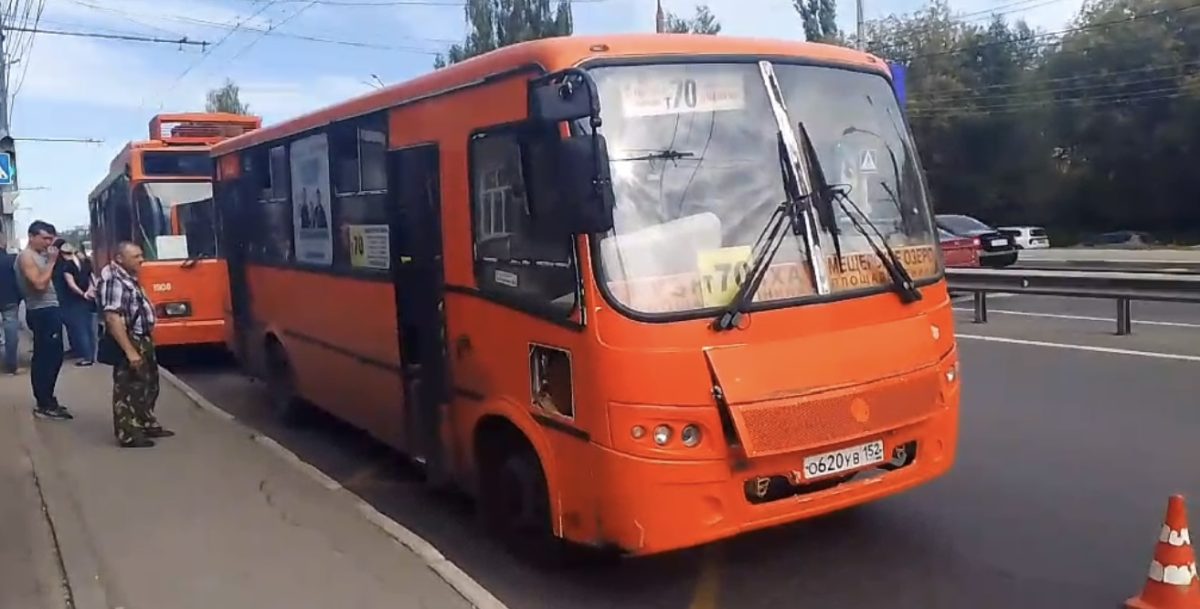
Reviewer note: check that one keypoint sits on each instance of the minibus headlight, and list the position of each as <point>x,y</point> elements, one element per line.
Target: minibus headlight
<point>662,435</point>
<point>690,435</point>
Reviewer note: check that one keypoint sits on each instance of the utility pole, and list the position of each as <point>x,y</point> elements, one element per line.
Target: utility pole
<point>862,42</point>
<point>8,192</point>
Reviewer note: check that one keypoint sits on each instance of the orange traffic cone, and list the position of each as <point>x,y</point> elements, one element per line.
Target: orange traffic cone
<point>1172,582</point>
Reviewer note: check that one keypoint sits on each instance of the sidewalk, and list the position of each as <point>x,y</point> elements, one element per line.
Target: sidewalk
<point>208,518</point>
<point>30,577</point>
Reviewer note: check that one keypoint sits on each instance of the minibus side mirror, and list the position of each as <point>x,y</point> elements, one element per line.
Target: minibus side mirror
<point>570,192</point>
<point>588,183</point>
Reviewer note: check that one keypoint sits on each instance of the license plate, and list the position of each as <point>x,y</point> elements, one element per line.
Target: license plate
<point>838,461</point>
<point>999,242</point>
<point>1039,241</point>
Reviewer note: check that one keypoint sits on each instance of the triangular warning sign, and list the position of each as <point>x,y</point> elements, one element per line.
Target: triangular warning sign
<point>868,161</point>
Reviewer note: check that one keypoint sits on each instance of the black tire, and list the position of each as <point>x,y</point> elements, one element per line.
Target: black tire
<point>514,503</point>
<point>281,386</point>
<point>999,262</point>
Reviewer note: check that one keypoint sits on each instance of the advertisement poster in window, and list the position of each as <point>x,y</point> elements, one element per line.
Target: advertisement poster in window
<point>310,200</point>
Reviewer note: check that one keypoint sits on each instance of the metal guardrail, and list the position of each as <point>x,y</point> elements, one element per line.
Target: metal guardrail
<point>1124,288</point>
<point>1185,269</point>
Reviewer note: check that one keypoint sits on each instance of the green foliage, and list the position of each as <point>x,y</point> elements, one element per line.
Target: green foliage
<point>1090,131</point>
<point>226,98</point>
<point>703,22</point>
<point>499,23</point>
<point>820,20</point>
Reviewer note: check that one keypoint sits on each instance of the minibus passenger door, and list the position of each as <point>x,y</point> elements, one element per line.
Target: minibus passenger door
<point>229,192</point>
<point>416,244</point>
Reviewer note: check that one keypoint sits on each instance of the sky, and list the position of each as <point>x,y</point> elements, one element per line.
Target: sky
<point>108,90</point>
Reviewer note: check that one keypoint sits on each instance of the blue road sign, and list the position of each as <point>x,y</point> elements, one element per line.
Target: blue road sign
<point>7,171</point>
<point>899,71</point>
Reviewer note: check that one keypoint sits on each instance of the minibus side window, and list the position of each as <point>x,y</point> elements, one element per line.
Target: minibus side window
<point>512,262</point>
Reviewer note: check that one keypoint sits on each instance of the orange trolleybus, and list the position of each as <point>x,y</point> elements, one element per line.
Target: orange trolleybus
<point>158,194</point>
<point>636,292</point>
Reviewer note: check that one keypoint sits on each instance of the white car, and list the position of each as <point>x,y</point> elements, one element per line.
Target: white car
<point>1027,237</point>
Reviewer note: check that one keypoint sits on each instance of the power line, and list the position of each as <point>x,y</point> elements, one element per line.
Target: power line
<point>1033,37</point>
<point>37,20</point>
<point>60,140</point>
<point>278,34</point>
<point>123,37</point>
<point>936,103</point>
<point>1012,7</point>
<point>209,50</point>
<point>974,92</point>
<point>271,29</point>
<point>370,3</point>
<point>1118,98</point>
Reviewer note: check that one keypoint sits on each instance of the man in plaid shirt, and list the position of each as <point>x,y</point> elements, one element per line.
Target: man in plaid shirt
<point>129,319</point>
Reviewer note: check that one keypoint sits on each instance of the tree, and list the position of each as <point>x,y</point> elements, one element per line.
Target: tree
<point>703,22</point>
<point>499,23</point>
<point>1092,131</point>
<point>226,98</point>
<point>820,20</point>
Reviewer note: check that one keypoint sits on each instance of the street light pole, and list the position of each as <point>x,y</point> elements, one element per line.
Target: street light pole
<point>862,43</point>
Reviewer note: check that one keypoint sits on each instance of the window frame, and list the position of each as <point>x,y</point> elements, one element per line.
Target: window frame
<point>256,200</point>
<point>356,124</point>
<point>259,183</point>
<point>573,318</point>
<point>120,192</point>
<point>341,264</point>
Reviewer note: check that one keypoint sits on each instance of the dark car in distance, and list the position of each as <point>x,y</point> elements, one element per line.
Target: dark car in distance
<point>996,249</point>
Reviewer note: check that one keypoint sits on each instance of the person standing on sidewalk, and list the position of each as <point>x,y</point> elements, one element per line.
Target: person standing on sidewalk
<point>129,319</point>
<point>77,305</point>
<point>35,276</point>
<point>10,306</point>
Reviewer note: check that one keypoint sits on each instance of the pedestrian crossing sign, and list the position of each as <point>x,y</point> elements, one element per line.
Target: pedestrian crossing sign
<point>6,169</point>
<point>868,162</point>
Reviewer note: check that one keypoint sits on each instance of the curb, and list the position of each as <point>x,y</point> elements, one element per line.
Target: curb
<point>466,586</point>
<point>77,557</point>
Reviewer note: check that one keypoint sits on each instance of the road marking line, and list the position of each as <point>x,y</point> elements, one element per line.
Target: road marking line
<point>1112,350</point>
<point>474,593</point>
<point>708,583</point>
<point>1173,324</point>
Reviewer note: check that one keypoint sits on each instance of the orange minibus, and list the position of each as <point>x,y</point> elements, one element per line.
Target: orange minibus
<point>636,292</point>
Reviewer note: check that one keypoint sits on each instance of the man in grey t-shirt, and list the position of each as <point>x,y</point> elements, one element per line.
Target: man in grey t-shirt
<point>35,277</point>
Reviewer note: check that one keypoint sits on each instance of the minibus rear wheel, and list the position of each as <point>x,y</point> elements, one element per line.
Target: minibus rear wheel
<point>281,385</point>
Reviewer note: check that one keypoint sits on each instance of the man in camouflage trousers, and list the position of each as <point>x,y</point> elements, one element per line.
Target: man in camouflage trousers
<point>129,319</point>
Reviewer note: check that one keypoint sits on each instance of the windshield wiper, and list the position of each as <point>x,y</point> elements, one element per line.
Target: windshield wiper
<point>666,154</point>
<point>763,252</point>
<point>797,170</point>
<point>192,261</point>
<point>791,212</point>
<point>902,282</point>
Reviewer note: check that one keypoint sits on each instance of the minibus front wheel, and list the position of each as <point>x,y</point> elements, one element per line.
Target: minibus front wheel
<point>514,501</point>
